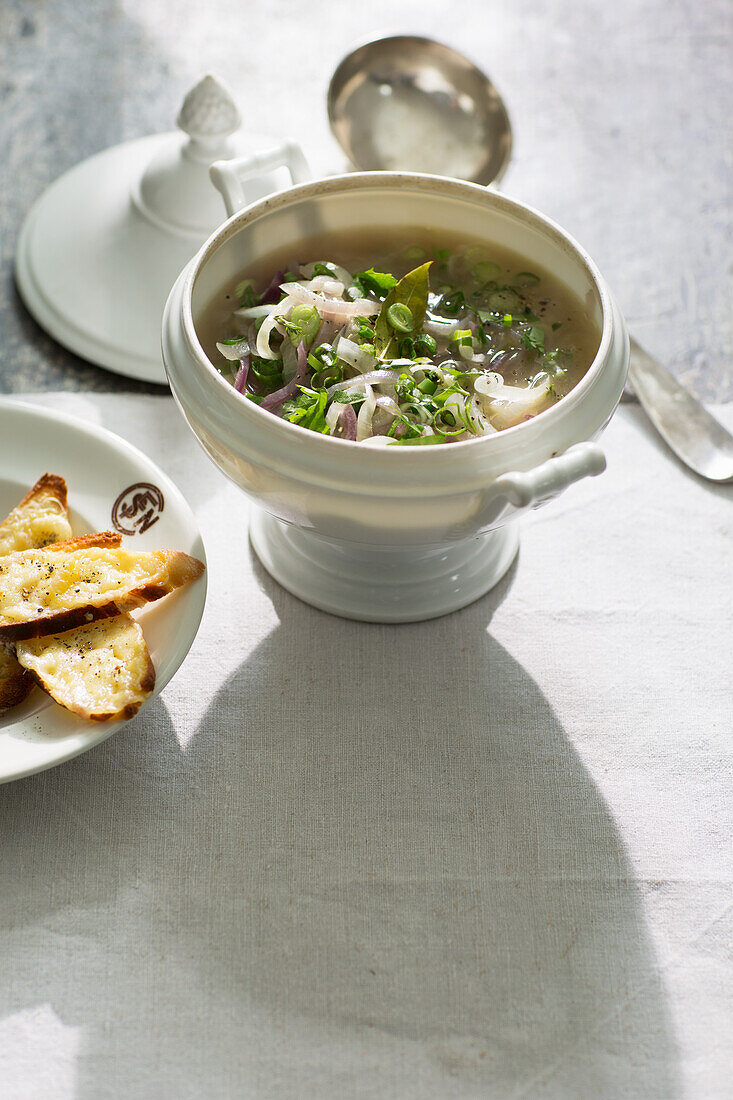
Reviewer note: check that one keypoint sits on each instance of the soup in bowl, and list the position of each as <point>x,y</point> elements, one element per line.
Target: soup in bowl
<point>399,338</point>
<point>313,361</point>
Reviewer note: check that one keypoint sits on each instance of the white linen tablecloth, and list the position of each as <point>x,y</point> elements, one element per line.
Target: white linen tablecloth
<point>487,856</point>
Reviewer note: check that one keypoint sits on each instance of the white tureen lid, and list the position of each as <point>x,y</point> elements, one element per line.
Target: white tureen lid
<point>100,250</point>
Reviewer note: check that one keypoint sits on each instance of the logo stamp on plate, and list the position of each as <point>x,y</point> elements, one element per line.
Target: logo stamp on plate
<point>137,508</point>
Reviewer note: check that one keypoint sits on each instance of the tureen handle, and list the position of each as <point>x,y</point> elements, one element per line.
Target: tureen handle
<point>531,488</point>
<point>229,176</point>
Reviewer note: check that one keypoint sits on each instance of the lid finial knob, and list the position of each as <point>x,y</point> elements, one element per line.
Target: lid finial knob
<point>208,113</point>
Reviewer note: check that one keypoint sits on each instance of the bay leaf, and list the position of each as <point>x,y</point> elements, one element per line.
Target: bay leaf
<point>411,291</point>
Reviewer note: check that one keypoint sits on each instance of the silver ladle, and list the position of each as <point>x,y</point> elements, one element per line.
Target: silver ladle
<point>413,104</point>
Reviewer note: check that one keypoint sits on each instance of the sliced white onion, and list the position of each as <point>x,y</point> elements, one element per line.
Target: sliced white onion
<point>282,309</point>
<point>442,330</point>
<point>377,441</point>
<point>389,404</point>
<point>324,284</point>
<point>488,383</point>
<point>332,308</point>
<point>508,405</point>
<point>481,424</point>
<point>372,377</point>
<point>470,356</point>
<point>336,308</point>
<point>333,413</point>
<point>353,354</point>
<point>251,313</point>
<point>233,352</point>
<point>364,419</point>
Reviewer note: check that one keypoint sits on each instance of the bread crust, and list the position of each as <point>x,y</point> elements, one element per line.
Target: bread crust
<point>15,681</point>
<point>105,540</point>
<point>47,485</point>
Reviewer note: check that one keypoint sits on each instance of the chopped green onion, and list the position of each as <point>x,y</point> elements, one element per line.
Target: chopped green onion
<point>442,254</point>
<point>324,269</point>
<point>485,271</point>
<point>462,337</point>
<point>504,301</point>
<point>400,317</point>
<point>526,278</point>
<point>304,323</point>
<point>365,331</point>
<point>266,367</point>
<point>437,437</point>
<point>425,344</point>
<point>427,386</point>
<point>507,320</point>
<point>407,348</point>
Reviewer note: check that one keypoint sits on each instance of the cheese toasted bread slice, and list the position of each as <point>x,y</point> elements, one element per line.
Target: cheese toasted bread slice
<point>47,591</point>
<point>100,671</point>
<point>39,519</point>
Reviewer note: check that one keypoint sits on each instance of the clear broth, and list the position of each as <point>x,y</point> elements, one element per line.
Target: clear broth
<point>565,319</point>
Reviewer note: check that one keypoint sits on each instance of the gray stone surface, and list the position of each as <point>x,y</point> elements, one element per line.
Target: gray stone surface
<point>621,115</point>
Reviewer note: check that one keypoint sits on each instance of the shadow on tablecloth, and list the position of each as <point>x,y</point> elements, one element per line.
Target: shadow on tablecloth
<point>378,869</point>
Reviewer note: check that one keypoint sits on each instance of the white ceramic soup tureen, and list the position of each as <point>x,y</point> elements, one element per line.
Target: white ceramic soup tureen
<point>392,534</point>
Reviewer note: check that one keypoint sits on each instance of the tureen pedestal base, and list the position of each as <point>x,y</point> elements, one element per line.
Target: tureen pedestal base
<point>376,585</point>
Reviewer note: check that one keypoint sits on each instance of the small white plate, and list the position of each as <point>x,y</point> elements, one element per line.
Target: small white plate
<point>111,486</point>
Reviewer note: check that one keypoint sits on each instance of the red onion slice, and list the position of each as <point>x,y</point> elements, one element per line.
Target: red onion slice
<point>274,399</point>
<point>347,423</point>
<point>271,294</point>
<point>241,380</point>
<point>384,414</point>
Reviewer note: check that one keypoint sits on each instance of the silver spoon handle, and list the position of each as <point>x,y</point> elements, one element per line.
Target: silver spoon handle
<point>698,439</point>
